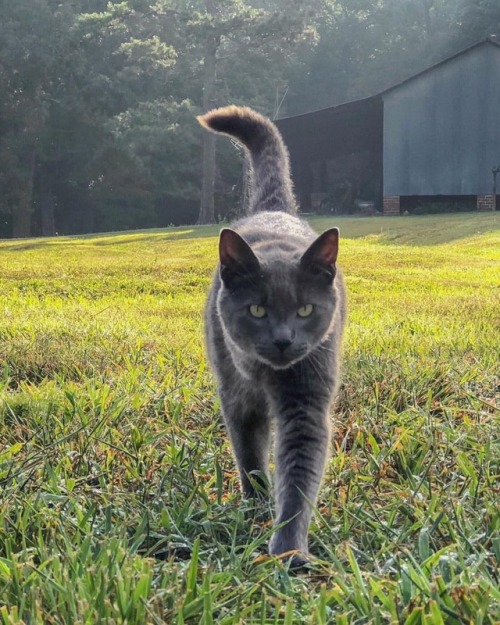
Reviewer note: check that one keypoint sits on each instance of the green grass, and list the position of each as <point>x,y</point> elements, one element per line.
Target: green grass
<point>119,499</point>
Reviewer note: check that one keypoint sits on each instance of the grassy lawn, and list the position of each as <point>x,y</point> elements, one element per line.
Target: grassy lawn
<point>119,498</point>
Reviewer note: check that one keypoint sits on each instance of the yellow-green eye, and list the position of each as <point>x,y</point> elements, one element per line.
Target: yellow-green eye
<point>257,311</point>
<point>305,311</point>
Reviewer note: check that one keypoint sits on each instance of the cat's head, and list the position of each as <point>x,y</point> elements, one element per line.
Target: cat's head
<point>277,305</point>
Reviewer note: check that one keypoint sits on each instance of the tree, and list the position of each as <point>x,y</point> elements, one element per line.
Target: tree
<point>98,99</point>
<point>65,76</point>
<point>366,47</point>
<point>33,38</point>
<point>225,38</point>
<point>128,65</point>
<point>477,19</point>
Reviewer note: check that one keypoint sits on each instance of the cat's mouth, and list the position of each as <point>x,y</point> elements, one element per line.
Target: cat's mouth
<point>281,360</point>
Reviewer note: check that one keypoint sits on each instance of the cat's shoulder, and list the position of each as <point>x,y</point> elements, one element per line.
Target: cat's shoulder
<point>274,223</point>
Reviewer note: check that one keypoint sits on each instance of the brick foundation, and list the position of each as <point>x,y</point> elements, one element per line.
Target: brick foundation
<point>486,202</point>
<point>391,205</point>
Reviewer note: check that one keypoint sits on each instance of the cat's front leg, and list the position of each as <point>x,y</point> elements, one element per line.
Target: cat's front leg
<point>249,430</point>
<point>302,438</point>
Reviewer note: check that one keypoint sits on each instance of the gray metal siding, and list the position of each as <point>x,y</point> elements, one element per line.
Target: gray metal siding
<point>442,129</point>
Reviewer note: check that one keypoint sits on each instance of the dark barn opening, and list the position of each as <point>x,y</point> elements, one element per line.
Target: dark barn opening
<point>336,156</point>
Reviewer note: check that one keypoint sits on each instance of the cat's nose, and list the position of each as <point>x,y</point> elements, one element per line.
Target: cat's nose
<point>282,343</point>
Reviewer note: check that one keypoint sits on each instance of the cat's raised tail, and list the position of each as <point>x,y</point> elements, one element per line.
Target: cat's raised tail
<point>271,184</point>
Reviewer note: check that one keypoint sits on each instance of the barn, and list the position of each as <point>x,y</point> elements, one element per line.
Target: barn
<point>432,137</point>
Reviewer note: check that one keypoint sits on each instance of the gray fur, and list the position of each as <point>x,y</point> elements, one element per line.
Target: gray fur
<point>282,369</point>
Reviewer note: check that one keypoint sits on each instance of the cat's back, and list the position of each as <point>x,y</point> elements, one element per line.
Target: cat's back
<point>280,228</point>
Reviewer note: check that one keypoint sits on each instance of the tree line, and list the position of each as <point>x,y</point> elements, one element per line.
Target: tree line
<point>98,99</point>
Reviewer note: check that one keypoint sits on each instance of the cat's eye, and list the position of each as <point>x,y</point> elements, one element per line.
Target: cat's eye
<point>305,311</point>
<point>257,311</point>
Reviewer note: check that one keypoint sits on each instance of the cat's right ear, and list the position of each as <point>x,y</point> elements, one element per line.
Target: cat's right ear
<point>237,261</point>
<point>321,256</point>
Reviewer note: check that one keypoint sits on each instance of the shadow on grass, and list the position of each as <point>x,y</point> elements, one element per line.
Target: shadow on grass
<point>129,237</point>
<point>412,230</point>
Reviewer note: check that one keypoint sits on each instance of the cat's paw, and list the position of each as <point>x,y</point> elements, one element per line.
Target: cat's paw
<point>298,562</point>
<point>289,552</point>
<point>295,560</point>
<point>255,486</point>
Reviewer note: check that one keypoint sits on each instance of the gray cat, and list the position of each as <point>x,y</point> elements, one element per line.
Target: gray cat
<point>274,321</point>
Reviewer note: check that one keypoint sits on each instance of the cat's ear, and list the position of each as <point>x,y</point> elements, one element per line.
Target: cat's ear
<point>237,260</point>
<point>321,256</point>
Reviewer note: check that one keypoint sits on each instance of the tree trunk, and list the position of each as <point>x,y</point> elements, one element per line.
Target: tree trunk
<point>207,212</point>
<point>48,217</point>
<point>47,203</point>
<point>247,187</point>
<point>21,216</point>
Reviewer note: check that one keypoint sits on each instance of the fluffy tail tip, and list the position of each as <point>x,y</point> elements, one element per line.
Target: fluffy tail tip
<point>232,120</point>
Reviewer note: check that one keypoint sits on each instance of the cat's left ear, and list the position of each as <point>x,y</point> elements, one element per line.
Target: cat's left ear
<point>237,260</point>
<point>321,256</point>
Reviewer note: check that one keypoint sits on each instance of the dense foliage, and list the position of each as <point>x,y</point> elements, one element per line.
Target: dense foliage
<point>98,99</point>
